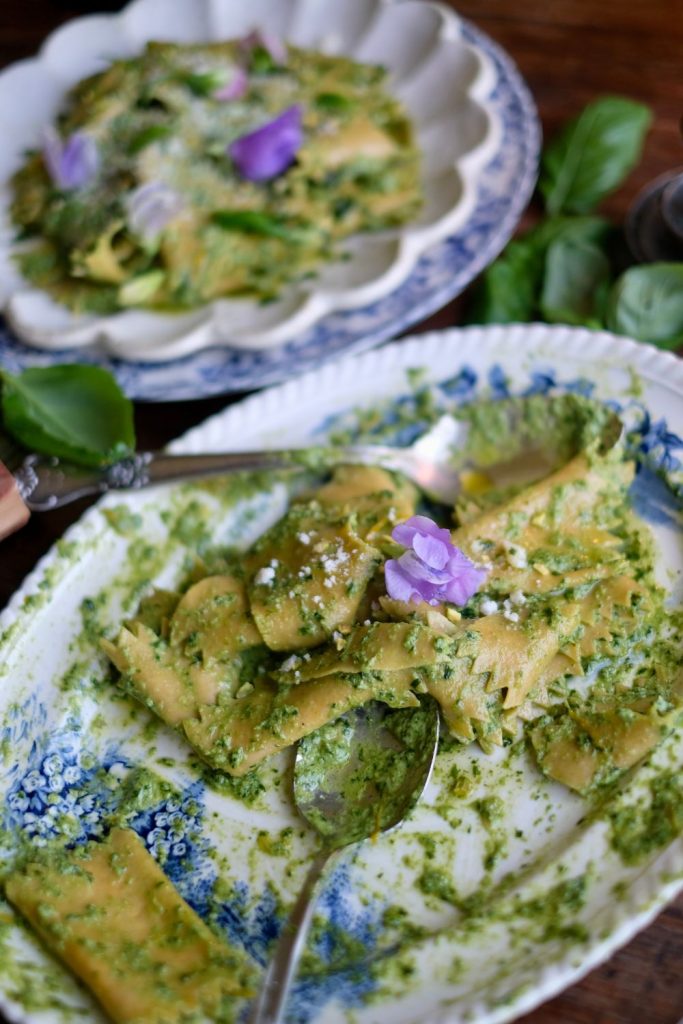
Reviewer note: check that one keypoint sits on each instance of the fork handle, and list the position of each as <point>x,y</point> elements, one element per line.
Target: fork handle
<point>281,971</point>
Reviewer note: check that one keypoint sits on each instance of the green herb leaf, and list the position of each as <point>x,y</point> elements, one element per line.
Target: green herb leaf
<point>144,138</point>
<point>333,102</point>
<point>252,222</point>
<point>204,83</point>
<point>576,275</point>
<point>507,292</point>
<point>510,290</point>
<point>646,303</point>
<point>593,154</point>
<point>261,62</point>
<point>75,412</point>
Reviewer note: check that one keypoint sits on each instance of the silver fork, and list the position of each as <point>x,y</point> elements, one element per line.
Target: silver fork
<point>45,482</point>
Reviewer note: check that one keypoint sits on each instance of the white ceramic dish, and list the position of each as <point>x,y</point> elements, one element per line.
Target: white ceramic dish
<point>66,739</point>
<point>444,81</point>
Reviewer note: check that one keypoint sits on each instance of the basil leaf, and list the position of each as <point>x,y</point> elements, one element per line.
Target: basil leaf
<point>507,292</point>
<point>510,290</point>
<point>76,412</point>
<point>252,222</point>
<point>144,138</point>
<point>575,273</point>
<point>646,303</point>
<point>589,230</point>
<point>593,154</point>
<point>203,83</point>
<point>261,62</point>
<point>333,102</point>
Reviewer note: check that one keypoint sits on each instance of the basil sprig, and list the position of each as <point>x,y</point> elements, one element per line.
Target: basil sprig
<point>570,267</point>
<point>74,411</point>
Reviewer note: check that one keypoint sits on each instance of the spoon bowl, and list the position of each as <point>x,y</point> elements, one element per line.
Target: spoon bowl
<point>354,778</point>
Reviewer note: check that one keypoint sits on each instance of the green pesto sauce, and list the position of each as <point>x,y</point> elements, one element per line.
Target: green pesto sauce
<point>638,832</point>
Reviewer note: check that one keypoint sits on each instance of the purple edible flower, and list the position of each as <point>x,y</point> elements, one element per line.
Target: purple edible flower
<point>268,41</point>
<point>433,569</point>
<point>72,163</point>
<point>235,88</point>
<point>268,151</point>
<point>151,207</point>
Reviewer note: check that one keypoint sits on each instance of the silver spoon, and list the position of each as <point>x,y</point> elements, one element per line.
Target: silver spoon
<point>354,778</point>
<point>46,482</point>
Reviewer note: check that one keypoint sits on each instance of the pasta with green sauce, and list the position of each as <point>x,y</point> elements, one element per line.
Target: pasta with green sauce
<point>194,172</point>
<point>301,628</point>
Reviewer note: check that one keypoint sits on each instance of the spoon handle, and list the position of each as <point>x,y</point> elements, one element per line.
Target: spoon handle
<point>282,968</point>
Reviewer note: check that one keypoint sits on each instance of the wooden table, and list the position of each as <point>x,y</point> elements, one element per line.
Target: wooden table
<point>569,52</point>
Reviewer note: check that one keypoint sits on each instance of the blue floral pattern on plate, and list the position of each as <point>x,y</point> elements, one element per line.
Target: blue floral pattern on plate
<point>442,273</point>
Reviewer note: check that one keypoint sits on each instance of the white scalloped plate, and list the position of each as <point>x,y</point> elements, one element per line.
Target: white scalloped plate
<point>59,760</point>
<point>443,80</point>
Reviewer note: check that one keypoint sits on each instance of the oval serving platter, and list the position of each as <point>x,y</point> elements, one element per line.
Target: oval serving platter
<point>556,900</point>
<point>489,115</point>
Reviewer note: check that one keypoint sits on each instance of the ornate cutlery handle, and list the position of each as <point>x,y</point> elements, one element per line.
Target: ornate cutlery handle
<point>45,483</point>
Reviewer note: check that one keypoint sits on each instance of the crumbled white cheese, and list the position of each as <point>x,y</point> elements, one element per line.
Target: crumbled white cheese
<point>264,577</point>
<point>517,597</point>
<point>516,556</point>
<point>333,561</point>
<point>508,612</point>
<point>488,607</point>
<point>274,563</point>
<point>317,599</point>
<point>303,537</point>
<point>290,663</point>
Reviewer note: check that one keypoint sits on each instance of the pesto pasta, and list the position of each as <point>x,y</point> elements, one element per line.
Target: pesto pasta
<point>305,626</point>
<point>195,172</point>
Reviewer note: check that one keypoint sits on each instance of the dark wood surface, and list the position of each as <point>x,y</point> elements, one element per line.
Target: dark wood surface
<point>569,52</point>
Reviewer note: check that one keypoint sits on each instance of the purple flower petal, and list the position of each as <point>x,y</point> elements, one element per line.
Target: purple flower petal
<point>151,207</point>
<point>399,584</point>
<point>72,163</point>
<point>268,41</point>
<point>433,569</point>
<point>432,551</point>
<point>404,533</point>
<point>268,151</point>
<point>235,88</point>
<point>420,572</point>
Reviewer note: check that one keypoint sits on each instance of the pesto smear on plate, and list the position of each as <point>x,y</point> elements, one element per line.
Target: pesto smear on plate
<point>190,173</point>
